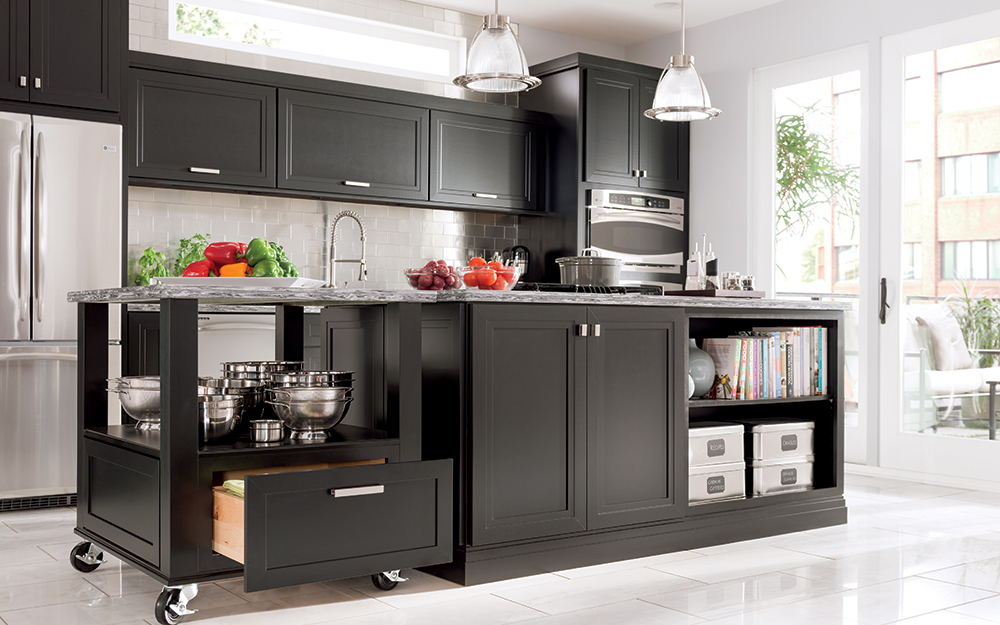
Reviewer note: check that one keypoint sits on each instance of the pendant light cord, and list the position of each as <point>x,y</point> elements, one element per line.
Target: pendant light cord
<point>682,27</point>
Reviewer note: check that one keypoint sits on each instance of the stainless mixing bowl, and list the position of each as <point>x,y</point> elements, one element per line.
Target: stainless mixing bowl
<point>311,378</point>
<point>309,393</point>
<point>220,414</point>
<point>140,397</point>
<point>258,369</point>
<point>311,419</point>
<point>252,392</point>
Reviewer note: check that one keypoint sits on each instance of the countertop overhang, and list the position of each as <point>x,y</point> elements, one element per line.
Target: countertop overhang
<point>340,297</point>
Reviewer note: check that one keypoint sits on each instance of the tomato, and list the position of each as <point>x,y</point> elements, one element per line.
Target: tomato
<point>477,261</point>
<point>495,264</point>
<point>486,277</point>
<point>507,273</point>
<point>500,284</point>
<point>470,279</point>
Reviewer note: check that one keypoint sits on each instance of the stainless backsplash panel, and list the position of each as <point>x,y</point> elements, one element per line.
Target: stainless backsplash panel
<point>397,237</point>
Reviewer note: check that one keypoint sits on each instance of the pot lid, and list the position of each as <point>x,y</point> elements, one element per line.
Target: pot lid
<point>588,260</point>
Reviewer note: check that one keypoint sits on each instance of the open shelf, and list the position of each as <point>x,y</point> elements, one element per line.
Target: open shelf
<point>143,441</point>
<point>718,403</point>
<point>342,435</point>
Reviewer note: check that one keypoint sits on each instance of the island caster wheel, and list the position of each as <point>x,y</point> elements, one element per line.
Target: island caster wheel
<point>171,604</point>
<point>85,557</point>
<point>387,580</point>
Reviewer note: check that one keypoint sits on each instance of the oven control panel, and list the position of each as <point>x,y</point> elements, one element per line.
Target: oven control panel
<point>602,198</point>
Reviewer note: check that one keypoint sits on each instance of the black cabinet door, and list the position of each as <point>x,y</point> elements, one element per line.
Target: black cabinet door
<point>201,130</point>
<point>528,422</point>
<point>75,48</point>
<point>352,147</point>
<point>611,128</point>
<point>484,162</point>
<point>631,409</point>
<point>14,52</point>
<point>662,147</point>
<point>142,356</point>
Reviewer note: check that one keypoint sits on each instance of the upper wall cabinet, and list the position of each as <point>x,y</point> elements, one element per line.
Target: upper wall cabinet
<point>621,145</point>
<point>486,162</point>
<point>63,52</point>
<point>202,130</point>
<point>352,147</point>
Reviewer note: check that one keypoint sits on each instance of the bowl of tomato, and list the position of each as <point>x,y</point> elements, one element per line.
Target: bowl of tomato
<point>489,276</point>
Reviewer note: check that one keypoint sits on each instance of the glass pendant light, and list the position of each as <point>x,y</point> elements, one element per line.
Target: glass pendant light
<point>681,95</point>
<point>496,62</point>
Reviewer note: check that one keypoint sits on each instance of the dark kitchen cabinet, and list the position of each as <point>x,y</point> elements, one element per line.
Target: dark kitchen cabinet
<point>622,145</point>
<point>196,129</point>
<point>63,52</point>
<point>583,436</point>
<point>142,355</point>
<point>528,422</point>
<point>487,162</point>
<point>349,146</point>
<point>631,371</point>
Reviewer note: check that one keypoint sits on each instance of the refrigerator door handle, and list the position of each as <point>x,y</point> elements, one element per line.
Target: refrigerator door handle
<point>24,225</point>
<point>37,356</point>
<point>39,235</point>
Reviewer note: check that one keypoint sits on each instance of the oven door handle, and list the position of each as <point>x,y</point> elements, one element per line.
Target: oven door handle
<point>670,221</point>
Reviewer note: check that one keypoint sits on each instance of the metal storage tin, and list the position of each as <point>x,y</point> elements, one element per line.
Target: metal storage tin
<point>785,475</point>
<point>714,443</point>
<point>770,440</point>
<point>716,482</point>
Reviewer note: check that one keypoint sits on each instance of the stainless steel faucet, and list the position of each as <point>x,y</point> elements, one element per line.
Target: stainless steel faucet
<point>362,270</point>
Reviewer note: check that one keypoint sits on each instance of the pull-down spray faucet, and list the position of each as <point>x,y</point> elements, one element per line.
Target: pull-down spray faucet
<point>362,270</point>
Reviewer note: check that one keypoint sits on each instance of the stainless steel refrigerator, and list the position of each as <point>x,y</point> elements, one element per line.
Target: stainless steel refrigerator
<point>60,231</point>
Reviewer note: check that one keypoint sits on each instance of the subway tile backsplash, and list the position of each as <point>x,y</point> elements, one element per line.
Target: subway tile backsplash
<point>396,237</point>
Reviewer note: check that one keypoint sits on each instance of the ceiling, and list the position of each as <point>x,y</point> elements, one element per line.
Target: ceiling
<point>620,22</point>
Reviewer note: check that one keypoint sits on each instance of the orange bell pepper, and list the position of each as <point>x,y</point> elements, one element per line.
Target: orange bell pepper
<point>234,270</point>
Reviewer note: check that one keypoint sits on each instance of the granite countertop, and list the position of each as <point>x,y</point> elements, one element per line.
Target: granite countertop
<point>260,296</point>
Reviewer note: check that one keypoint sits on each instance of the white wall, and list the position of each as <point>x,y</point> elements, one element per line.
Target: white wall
<point>726,53</point>
<point>544,45</point>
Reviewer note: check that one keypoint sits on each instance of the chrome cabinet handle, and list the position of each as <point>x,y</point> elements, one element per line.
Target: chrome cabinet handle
<point>597,329</point>
<point>643,173</point>
<point>22,81</point>
<point>635,173</point>
<point>376,489</point>
<point>355,183</point>
<point>204,170</point>
<point>38,83</point>
<point>582,330</point>
<point>488,196</point>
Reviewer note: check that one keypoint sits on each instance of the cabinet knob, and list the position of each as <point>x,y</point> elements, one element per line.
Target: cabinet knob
<point>23,81</point>
<point>38,83</point>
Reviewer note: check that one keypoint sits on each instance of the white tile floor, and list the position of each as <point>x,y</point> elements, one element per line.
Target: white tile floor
<point>911,553</point>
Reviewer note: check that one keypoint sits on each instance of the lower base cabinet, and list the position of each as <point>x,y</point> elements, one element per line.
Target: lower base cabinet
<point>300,527</point>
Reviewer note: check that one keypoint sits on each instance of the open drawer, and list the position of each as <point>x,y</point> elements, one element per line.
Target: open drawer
<point>310,526</point>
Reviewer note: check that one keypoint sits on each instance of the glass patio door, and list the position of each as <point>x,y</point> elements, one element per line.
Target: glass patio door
<point>810,162</point>
<point>940,249</point>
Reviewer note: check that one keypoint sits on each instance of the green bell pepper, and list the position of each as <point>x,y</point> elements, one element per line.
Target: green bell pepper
<point>267,268</point>
<point>258,250</point>
<point>291,271</point>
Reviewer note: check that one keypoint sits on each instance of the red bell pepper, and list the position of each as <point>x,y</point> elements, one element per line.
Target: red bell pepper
<point>201,269</point>
<point>225,253</point>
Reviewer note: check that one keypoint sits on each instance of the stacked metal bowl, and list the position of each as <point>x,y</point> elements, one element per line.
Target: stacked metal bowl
<point>248,380</point>
<point>220,414</point>
<point>259,369</point>
<point>140,397</point>
<point>311,402</point>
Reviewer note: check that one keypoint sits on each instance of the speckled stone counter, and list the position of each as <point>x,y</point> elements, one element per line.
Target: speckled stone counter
<point>230,297</point>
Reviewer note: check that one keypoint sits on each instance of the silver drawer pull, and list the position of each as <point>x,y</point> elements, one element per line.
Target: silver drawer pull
<point>488,196</point>
<point>38,83</point>
<point>23,81</point>
<point>354,183</point>
<point>377,489</point>
<point>203,170</point>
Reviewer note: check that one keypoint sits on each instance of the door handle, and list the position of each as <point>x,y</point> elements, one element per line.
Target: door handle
<point>377,489</point>
<point>38,83</point>
<point>582,330</point>
<point>40,198</point>
<point>882,303</point>
<point>204,170</point>
<point>22,81</point>
<point>597,329</point>
<point>24,225</point>
<point>355,183</point>
<point>488,196</point>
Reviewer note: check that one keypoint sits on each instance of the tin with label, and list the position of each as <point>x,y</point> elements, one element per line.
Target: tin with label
<point>784,475</point>
<point>770,439</point>
<point>714,442</point>
<point>717,482</point>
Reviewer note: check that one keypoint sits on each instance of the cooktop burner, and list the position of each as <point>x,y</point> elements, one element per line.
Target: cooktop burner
<point>551,287</point>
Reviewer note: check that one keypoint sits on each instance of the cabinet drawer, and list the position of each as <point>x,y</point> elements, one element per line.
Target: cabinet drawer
<point>310,526</point>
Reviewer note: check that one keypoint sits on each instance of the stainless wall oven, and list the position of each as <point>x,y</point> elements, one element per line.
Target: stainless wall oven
<point>646,231</point>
